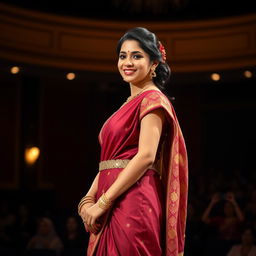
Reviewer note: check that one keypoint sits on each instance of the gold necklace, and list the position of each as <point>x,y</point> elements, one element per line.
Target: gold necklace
<point>134,96</point>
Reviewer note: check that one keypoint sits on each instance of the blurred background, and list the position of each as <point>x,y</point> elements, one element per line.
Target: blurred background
<point>59,83</point>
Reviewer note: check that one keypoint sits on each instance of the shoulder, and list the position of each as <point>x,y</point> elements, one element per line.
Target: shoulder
<point>234,250</point>
<point>152,97</point>
<point>236,247</point>
<point>152,100</point>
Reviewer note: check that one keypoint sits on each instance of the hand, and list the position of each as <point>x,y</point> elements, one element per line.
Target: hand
<point>215,198</point>
<point>82,215</point>
<point>90,216</point>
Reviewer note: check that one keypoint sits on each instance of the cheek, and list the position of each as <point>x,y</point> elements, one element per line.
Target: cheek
<point>145,68</point>
<point>119,65</point>
<point>145,65</point>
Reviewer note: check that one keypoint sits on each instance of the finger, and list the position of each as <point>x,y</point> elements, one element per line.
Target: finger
<point>85,225</point>
<point>88,228</point>
<point>94,224</point>
<point>85,228</point>
<point>93,229</point>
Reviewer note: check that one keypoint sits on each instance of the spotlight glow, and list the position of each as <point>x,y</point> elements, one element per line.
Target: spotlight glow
<point>215,76</point>
<point>248,74</point>
<point>15,70</point>
<point>31,155</point>
<point>71,76</point>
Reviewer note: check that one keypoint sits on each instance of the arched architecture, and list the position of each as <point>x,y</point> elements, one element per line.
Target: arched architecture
<point>74,43</point>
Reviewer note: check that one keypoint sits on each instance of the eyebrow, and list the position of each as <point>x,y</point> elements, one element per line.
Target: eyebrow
<point>132,52</point>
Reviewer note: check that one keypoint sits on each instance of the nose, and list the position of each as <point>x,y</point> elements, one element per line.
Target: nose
<point>128,62</point>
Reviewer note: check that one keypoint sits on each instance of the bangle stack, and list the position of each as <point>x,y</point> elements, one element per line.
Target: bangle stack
<point>104,202</point>
<point>85,200</point>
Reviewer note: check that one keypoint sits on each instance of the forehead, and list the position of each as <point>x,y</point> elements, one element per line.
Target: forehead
<point>130,46</point>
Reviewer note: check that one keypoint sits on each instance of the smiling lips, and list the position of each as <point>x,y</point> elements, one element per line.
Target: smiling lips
<point>129,72</point>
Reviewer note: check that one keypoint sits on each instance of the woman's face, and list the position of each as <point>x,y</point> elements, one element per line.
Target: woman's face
<point>71,224</point>
<point>134,63</point>
<point>44,227</point>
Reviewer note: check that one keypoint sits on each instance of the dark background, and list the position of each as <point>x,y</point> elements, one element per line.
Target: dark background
<point>40,107</point>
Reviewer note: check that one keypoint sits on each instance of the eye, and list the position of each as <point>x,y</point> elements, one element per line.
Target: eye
<point>122,56</point>
<point>137,56</point>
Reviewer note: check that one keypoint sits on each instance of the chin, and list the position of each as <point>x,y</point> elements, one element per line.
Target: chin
<point>128,79</point>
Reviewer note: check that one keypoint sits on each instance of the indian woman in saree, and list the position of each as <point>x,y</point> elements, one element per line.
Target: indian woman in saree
<point>137,203</point>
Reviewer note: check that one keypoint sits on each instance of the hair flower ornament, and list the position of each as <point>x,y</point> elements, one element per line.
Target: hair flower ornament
<point>163,52</point>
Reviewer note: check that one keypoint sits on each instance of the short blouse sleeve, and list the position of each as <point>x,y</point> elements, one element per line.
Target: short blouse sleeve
<point>152,101</point>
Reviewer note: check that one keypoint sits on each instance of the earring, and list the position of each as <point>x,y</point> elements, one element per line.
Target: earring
<point>153,73</point>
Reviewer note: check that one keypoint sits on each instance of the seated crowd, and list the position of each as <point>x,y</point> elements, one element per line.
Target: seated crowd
<point>21,233</point>
<point>221,222</point>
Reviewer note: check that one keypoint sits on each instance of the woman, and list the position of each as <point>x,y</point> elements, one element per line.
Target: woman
<point>73,238</point>
<point>227,224</point>
<point>137,202</point>
<point>247,247</point>
<point>46,238</point>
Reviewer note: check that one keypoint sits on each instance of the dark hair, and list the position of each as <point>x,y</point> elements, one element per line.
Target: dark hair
<point>149,42</point>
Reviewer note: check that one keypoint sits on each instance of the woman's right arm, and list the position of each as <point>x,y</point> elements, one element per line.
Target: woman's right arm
<point>231,198</point>
<point>94,187</point>
<point>206,214</point>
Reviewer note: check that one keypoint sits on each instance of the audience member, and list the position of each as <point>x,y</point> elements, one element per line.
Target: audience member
<point>46,237</point>
<point>227,224</point>
<point>212,230</point>
<point>7,220</point>
<point>24,226</point>
<point>247,247</point>
<point>74,238</point>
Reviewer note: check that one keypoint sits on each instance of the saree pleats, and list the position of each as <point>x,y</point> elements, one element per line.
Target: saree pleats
<point>135,222</point>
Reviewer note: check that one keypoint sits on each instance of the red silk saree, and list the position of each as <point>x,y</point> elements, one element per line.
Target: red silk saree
<point>149,219</point>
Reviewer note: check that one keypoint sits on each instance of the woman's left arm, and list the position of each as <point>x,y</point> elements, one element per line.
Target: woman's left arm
<point>231,198</point>
<point>150,132</point>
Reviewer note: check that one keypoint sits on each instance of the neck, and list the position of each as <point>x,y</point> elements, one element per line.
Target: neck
<point>137,88</point>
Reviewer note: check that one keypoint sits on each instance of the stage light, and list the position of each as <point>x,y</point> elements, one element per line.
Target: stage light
<point>71,76</point>
<point>248,74</point>
<point>15,70</point>
<point>31,155</point>
<point>215,76</point>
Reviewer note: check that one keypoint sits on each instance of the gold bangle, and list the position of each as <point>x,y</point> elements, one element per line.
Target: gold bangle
<point>102,205</point>
<point>85,200</point>
<point>88,197</point>
<point>104,202</point>
<point>80,208</point>
<point>82,204</point>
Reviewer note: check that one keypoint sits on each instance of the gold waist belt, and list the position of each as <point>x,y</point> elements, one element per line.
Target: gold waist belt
<point>117,163</point>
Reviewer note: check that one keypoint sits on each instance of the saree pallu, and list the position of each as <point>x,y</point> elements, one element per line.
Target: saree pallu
<point>149,218</point>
